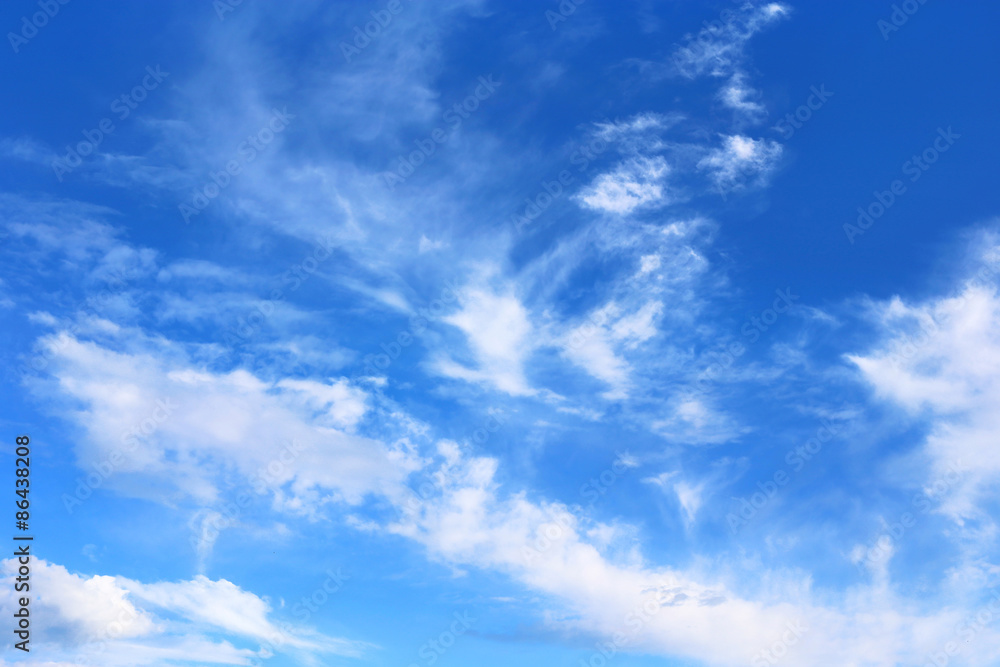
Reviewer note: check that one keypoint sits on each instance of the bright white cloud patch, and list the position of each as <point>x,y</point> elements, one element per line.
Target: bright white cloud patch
<point>78,610</point>
<point>941,360</point>
<point>599,343</point>
<point>632,184</point>
<point>152,415</point>
<point>115,621</point>
<point>499,334</point>
<point>741,161</point>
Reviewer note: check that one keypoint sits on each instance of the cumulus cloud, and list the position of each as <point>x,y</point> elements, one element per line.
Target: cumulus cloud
<point>117,621</point>
<point>151,413</point>
<point>76,610</point>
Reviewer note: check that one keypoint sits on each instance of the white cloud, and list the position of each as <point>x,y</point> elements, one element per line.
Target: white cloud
<point>24,148</point>
<point>337,402</point>
<point>639,326</point>
<point>198,269</point>
<point>500,335</point>
<point>597,345</point>
<point>639,134</point>
<point>384,295</point>
<point>649,263</point>
<point>740,97</point>
<point>590,347</point>
<point>75,230</point>
<point>718,48</point>
<point>940,360</point>
<point>601,590</point>
<point>224,605</point>
<point>118,621</point>
<point>426,245</point>
<point>741,161</point>
<point>691,419</point>
<point>690,496</point>
<point>639,124</point>
<point>76,610</point>
<point>178,426</point>
<point>635,183</point>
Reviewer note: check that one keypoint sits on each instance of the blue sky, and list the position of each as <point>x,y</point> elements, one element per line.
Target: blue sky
<point>636,333</point>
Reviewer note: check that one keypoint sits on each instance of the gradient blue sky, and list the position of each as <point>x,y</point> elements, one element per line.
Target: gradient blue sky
<point>614,374</point>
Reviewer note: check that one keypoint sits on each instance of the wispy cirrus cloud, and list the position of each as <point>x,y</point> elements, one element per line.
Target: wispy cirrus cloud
<point>741,162</point>
<point>636,183</point>
<point>597,327</point>
<point>499,332</point>
<point>719,49</point>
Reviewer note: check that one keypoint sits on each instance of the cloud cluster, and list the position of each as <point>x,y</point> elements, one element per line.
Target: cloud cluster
<point>110,620</point>
<point>939,360</point>
<point>219,420</point>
